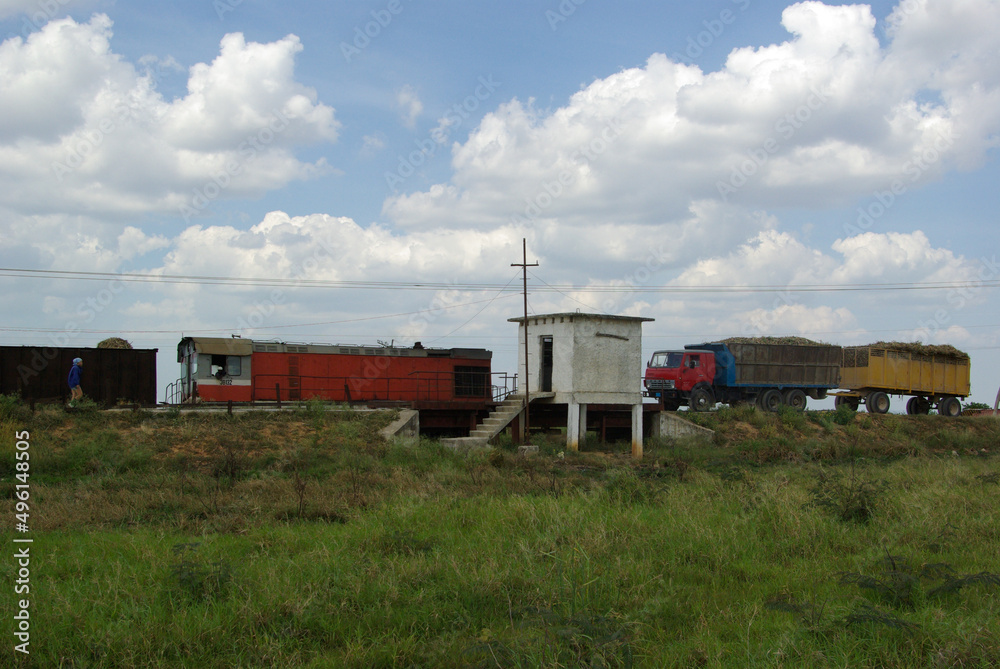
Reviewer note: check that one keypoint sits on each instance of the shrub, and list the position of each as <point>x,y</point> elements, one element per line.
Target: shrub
<point>625,487</point>
<point>844,415</point>
<point>850,498</point>
<point>13,409</point>
<point>196,579</point>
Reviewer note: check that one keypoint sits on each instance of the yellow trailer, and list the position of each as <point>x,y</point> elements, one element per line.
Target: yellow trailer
<point>872,373</point>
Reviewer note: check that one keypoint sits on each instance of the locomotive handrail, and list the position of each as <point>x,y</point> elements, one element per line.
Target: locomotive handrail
<point>173,393</point>
<point>500,393</point>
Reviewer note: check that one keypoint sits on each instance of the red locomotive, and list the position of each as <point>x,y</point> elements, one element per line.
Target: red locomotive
<point>451,387</point>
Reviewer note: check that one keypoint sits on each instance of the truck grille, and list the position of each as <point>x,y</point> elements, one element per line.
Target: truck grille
<point>659,384</point>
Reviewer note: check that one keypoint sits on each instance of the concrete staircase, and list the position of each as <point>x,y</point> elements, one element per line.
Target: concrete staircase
<point>492,425</point>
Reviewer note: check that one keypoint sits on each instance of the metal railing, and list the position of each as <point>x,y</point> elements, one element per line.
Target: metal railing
<point>500,392</point>
<point>174,393</point>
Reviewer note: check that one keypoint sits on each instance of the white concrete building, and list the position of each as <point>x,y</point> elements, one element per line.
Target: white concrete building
<point>584,359</point>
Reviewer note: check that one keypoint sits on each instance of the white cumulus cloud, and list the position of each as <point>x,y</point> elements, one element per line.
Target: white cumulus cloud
<point>819,119</point>
<point>82,129</point>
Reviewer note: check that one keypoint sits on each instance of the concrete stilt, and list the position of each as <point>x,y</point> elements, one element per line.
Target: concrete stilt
<point>573,427</point>
<point>637,431</point>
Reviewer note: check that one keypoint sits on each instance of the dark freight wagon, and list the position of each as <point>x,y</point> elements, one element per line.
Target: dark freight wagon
<point>110,376</point>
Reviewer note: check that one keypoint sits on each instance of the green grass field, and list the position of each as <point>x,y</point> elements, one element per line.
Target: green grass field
<point>302,539</point>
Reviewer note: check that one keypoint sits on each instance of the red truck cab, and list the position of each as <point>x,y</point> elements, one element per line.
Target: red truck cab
<point>672,375</point>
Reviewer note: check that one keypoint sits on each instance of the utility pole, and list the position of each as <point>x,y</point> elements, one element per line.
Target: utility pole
<point>524,268</point>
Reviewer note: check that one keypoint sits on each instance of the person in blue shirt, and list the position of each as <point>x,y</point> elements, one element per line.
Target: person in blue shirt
<point>75,372</point>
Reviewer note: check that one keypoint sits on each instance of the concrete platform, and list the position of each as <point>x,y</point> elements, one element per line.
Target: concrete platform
<point>674,426</point>
<point>407,425</point>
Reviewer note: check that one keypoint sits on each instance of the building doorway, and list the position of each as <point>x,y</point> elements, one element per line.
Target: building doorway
<point>545,378</point>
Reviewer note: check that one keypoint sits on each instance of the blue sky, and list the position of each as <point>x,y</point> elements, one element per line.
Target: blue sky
<point>813,153</point>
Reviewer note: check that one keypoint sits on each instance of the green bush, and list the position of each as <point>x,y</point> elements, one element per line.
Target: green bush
<point>844,415</point>
<point>14,410</point>
<point>850,498</point>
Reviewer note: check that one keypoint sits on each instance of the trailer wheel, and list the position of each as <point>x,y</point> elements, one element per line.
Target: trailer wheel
<point>770,400</point>
<point>841,401</point>
<point>877,402</point>
<point>918,406</point>
<point>795,398</point>
<point>701,399</point>
<point>950,406</point>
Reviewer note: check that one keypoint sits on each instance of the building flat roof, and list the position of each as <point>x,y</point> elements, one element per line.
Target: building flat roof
<point>582,315</point>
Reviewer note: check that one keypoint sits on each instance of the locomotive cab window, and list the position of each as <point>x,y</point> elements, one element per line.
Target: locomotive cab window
<point>226,365</point>
<point>471,381</point>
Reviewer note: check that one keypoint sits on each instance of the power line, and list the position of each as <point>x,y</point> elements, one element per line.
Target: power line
<point>438,285</point>
<point>261,329</point>
<point>476,315</point>
<point>568,297</point>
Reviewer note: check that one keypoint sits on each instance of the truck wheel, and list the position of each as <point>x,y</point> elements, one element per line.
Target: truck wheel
<point>795,398</point>
<point>877,402</point>
<point>850,402</point>
<point>950,406</point>
<point>770,400</point>
<point>918,406</point>
<point>701,399</point>
<point>911,406</point>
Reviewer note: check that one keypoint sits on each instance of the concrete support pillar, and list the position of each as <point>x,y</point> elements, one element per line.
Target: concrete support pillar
<point>573,427</point>
<point>637,431</point>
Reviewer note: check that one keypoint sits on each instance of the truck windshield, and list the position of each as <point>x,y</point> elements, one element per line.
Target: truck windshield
<point>666,359</point>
